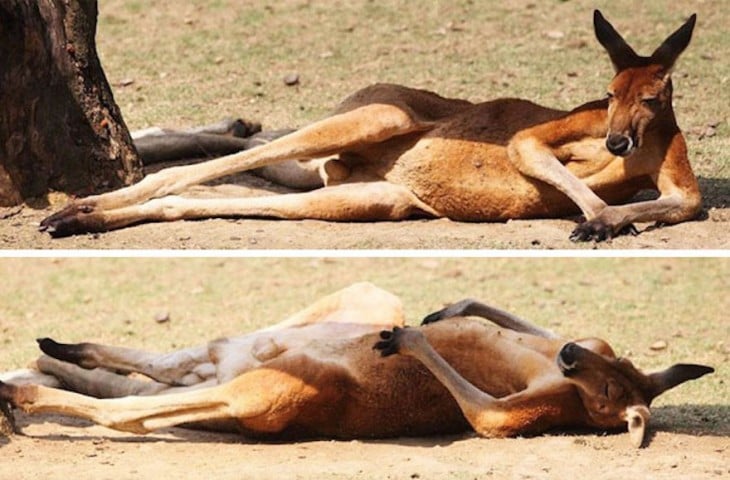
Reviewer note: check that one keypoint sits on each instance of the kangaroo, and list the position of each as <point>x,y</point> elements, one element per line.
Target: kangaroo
<point>391,152</point>
<point>346,367</point>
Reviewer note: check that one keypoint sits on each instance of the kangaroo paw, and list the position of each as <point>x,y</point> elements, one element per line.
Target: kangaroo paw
<point>73,219</point>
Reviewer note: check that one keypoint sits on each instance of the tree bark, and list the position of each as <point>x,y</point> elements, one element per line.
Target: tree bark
<point>60,128</point>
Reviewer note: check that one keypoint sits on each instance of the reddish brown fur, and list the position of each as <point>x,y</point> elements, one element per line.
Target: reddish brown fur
<point>426,154</point>
<point>324,378</point>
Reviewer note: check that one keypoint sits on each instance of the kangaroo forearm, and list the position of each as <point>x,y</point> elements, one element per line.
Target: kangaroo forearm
<point>471,400</point>
<point>668,209</point>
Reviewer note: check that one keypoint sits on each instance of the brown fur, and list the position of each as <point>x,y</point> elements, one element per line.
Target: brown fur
<point>324,378</point>
<point>398,152</point>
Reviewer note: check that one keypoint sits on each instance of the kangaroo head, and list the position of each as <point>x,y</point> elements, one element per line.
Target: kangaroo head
<point>614,392</point>
<point>642,88</point>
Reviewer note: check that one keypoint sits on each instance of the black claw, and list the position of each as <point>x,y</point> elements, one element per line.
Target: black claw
<point>592,230</point>
<point>629,229</point>
<point>389,343</point>
<point>599,231</point>
<point>386,348</point>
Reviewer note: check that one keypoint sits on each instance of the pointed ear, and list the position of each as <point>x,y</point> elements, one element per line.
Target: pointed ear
<point>666,54</point>
<point>674,375</point>
<point>622,55</point>
<point>637,418</point>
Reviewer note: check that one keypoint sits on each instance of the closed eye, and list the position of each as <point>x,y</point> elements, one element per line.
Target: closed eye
<point>650,101</point>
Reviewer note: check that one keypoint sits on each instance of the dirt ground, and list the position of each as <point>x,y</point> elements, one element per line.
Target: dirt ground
<point>19,231</point>
<point>46,450</point>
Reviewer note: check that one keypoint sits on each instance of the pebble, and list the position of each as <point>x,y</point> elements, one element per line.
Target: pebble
<point>291,79</point>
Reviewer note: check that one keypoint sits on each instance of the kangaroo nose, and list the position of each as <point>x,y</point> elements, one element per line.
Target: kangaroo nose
<point>567,357</point>
<point>619,144</point>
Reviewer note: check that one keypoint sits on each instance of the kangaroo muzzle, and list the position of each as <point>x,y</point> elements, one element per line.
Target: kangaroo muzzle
<point>618,144</point>
<point>567,358</point>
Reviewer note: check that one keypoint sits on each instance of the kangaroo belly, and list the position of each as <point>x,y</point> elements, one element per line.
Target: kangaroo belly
<point>355,393</point>
<point>462,170</point>
<point>474,181</point>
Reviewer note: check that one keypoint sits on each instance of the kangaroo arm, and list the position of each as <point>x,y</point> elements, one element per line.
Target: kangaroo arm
<point>536,159</point>
<point>542,405</point>
<point>680,198</point>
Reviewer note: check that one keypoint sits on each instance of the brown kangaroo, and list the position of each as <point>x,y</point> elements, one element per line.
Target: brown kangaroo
<point>390,152</point>
<point>316,374</point>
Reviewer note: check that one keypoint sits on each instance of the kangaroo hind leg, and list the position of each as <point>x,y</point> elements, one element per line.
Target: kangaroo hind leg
<point>180,368</point>
<point>369,201</point>
<point>262,401</point>
<point>365,125</point>
<point>97,382</point>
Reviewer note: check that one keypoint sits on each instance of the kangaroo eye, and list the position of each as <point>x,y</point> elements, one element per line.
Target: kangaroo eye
<point>650,101</point>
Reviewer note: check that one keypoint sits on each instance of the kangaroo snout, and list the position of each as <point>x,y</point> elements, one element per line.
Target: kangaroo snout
<point>618,144</point>
<point>567,357</point>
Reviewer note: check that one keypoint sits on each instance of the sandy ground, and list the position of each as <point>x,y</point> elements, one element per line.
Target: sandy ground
<point>18,230</point>
<point>47,450</point>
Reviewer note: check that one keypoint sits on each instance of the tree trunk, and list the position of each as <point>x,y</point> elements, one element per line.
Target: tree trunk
<point>60,128</point>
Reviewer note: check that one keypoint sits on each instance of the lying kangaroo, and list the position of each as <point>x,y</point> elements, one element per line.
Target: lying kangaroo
<point>391,152</point>
<point>316,375</point>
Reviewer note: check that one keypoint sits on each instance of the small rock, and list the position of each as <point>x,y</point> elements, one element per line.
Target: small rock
<point>554,34</point>
<point>162,317</point>
<point>578,43</point>
<point>125,82</point>
<point>658,345</point>
<point>291,79</point>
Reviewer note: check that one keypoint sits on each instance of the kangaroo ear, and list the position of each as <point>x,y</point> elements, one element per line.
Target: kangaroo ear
<point>622,55</point>
<point>637,418</point>
<point>675,375</point>
<point>666,54</point>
